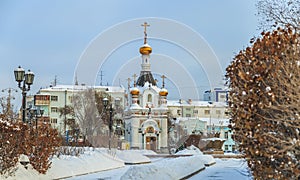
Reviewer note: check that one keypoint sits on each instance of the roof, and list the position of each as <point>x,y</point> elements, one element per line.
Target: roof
<point>145,76</point>
<point>180,103</point>
<point>209,121</point>
<point>83,87</point>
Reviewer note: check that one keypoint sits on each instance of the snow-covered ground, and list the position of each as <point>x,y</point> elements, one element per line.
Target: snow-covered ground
<point>115,164</point>
<point>225,169</point>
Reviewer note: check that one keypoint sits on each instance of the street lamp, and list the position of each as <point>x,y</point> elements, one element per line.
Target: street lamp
<point>27,79</point>
<point>105,103</point>
<point>36,113</point>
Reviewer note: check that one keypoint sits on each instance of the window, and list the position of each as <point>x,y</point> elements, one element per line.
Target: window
<point>53,120</point>
<point>226,135</point>
<point>218,111</point>
<point>188,115</point>
<point>195,111</point>
<point>54,109</point>
<point>206,112</point>
<point>178,111</point>
<point>188,109</point>
<point>226,147</point>
<point>149,98</point>
<point>54,98</point>
<point>118,101</point>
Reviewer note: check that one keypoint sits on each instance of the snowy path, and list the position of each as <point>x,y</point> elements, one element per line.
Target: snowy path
<point>225,169</point>
<point>110,174</point>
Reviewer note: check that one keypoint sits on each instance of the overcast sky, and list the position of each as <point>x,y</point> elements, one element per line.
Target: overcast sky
<point>49,37</point>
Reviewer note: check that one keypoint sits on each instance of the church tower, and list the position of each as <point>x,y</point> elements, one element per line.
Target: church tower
<point>146,119</point>
<point>145,51</point>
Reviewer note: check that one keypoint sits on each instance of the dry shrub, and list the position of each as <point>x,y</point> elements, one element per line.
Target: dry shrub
<point>264,82</point>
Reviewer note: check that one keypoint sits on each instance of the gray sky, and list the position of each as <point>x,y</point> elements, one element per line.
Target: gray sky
<point>49,37</point>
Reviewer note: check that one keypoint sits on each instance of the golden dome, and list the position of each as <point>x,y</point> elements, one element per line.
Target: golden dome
<point>145,49</point>
<point>163,92</point>
<point>134,91</point>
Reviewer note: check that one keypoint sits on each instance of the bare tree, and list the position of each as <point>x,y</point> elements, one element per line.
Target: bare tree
<point>68,111</point>
<point>264,82</point>
<point>7,108</point>
<point>89,113</point>
<point>273,13</point>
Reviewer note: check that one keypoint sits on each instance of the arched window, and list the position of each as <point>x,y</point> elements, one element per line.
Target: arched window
<point>149,98</point>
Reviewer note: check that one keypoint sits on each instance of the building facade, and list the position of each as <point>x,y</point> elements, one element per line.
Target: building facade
<point>52,99</point>
<point>208,118</point>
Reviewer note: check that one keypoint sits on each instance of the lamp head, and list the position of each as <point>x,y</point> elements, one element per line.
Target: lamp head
<point>19,74</point>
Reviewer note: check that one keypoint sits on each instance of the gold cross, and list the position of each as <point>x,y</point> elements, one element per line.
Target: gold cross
<point>163,80</point>
<point>145,31</point>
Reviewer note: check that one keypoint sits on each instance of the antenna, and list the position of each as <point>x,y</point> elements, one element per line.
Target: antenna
<point>55,81</point>
<point>76,80</point>
<point>101,76</point>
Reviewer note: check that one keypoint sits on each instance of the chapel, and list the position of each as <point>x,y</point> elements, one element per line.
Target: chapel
<point>145,118</point>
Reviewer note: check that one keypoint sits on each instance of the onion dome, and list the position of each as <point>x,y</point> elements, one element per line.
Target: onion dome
<point>163,92</point>
<point>134,91</point>
<point>145,49</point>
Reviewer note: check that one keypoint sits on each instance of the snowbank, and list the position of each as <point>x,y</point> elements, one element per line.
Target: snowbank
<point>192,150</point>
<point>132,157</point>
<point>90,161</point>
<point>174,168</point>
<point>99,160</point>
<point>93,160</point>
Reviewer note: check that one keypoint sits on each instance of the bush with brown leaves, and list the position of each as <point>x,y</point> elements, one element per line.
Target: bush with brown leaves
<point>264,81</point>
<point>19,138</point>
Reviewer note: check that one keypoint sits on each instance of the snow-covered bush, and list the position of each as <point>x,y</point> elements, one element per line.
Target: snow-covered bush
<point>12,138</point>
<point>44,143</point>
<point>264,83</point>
<point>18,138</point>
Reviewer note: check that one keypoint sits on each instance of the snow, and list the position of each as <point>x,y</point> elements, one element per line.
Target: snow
<point>101,163</point>
<point>181,102</point>
<point>170,168</point>
<point>83,87</point>
<point>174,168</point>
<point>214,139</point>
<point>230,168</point>
<point>132,158</point>
<point>91,161</point>
<point>190,151</point>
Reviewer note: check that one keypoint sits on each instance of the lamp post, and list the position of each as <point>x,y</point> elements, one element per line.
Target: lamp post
<point>36,113</point>
<point>105,103</point>
<point>27,79</point>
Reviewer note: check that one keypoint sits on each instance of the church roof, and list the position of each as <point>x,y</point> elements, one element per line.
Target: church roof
<point>146,77</point>
<point>147,85</point>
